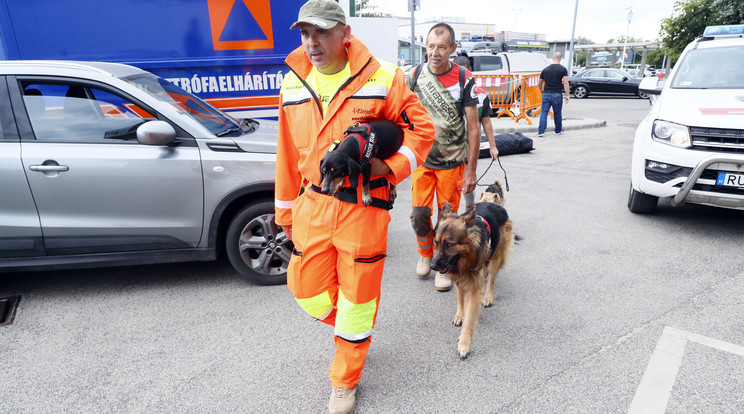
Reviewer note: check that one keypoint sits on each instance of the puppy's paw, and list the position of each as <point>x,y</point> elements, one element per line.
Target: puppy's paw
<point>366,199</point>
<point>457,320</point>
<point>487,301</point>
<point>463,349</point>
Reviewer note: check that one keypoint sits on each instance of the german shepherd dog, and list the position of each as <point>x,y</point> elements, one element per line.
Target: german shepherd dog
<point>471,249</point>
<point>351,156</point>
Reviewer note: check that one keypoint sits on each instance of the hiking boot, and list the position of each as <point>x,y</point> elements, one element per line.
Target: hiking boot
<point>423,267</point>
<point>343,400</point>
<point>442,282</point>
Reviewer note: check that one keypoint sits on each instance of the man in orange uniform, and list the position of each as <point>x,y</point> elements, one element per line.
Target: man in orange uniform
<point>340,245</point>
<point>450,101</point>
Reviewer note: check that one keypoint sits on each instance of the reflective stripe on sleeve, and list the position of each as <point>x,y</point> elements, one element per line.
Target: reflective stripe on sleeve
<point>410,155</point>
<point>354,321</point>
<point>282,204</point>
<point>319,306</point>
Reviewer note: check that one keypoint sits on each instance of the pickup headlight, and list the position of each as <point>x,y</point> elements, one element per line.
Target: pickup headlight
<point>671,133</point>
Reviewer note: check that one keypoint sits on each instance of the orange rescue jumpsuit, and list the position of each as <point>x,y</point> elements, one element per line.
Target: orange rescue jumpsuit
<point>336,269</point>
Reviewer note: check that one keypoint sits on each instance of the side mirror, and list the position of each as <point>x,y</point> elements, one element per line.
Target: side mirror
<point>650,85</point>
<point>156,133</point>
<point>625,78</point>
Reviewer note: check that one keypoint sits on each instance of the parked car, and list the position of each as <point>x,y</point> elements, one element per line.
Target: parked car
<point>690,147</point>
<point>103,164</point>
<point>604,81</point>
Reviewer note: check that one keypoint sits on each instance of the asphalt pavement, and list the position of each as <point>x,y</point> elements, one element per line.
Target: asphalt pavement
<point>598,310</point>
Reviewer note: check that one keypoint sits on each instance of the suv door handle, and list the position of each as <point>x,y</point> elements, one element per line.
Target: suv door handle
<point>48,168</point>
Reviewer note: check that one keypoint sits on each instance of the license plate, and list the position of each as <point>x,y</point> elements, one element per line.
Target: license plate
<point>730,180</point>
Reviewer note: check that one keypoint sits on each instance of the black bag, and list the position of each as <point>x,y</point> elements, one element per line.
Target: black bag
<point>515,143</point>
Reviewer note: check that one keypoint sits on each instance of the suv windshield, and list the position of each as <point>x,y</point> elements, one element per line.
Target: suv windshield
<point>215,121</point>
<point>714,68</point>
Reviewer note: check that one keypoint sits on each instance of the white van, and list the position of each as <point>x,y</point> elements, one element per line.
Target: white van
<point>507,63</point>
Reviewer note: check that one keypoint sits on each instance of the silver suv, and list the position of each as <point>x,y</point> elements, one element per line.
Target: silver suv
<point>104,164</point>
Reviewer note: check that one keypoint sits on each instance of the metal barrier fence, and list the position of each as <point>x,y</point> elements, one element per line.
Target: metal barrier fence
<point>513,93</point>
<point>501,91</point>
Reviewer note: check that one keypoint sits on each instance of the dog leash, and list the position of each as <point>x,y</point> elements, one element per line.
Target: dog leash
<point>506,180</point>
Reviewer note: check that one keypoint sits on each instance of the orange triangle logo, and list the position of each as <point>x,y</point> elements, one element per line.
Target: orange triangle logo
<point>241,24</point>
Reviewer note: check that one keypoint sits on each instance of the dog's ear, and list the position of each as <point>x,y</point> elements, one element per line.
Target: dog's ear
<point>446,209</point>
<point>469,217</point>
<point>354,172</point>
<point>322,172</point>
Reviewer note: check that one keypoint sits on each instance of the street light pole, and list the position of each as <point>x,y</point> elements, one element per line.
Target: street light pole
<point>630,17</point>
<point>571,47</point>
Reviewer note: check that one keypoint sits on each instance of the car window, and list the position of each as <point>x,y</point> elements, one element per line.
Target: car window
<point>615,74</point>
<point>76,112</point>
<point>714,68</point>
<point>490,63</point>
<point>596,73</point>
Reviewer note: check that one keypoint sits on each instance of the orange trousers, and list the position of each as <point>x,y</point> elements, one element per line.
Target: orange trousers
<point>425,182</point>
<point>335,273</point>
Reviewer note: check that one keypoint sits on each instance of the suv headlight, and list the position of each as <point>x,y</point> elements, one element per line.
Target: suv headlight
<point>671,133</point>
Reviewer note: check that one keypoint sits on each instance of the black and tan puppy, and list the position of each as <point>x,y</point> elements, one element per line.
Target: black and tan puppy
<point>349,158</point>
<point>494,194</point>
<point>471,249</point>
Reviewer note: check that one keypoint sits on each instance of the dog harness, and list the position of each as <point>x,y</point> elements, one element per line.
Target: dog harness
<point>488,231</point>
<point>367,151</point>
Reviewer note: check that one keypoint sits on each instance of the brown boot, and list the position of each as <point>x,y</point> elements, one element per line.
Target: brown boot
<point>343,401</point>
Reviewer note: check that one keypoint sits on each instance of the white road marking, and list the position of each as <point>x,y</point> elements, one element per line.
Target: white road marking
<point>652,395</point>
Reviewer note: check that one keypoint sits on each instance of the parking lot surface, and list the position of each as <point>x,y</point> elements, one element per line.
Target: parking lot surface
<point>598,311</point>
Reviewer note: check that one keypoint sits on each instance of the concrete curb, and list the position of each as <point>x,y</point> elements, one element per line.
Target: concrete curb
<point>508,126</point>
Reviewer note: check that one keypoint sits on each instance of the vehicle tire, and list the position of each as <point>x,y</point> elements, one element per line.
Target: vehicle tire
<point>257,247</point>
<point>642,95</point>
<point>581,92</point>
<point>640,203</point>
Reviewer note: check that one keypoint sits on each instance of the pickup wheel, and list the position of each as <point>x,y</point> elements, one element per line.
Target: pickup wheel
<point>581,92</point>
<point>258,249</point>
<point>640,203</point>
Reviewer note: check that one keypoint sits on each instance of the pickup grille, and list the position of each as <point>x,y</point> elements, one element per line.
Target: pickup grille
<point>717,139</point>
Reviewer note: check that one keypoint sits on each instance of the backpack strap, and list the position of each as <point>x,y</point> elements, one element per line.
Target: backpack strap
<point>416,73</point>
<point>462,90</point>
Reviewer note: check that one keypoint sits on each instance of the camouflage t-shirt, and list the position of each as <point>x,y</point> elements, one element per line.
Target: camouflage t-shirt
<point>440,95</point>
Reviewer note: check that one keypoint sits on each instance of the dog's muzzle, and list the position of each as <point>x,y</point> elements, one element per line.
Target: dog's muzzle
<point>449,266</point>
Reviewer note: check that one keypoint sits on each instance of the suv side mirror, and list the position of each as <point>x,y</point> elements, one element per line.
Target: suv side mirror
<point>156,133</point>
<point>650,85</point>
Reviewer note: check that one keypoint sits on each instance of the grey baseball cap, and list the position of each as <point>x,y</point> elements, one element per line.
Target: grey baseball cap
<point>322,13</point>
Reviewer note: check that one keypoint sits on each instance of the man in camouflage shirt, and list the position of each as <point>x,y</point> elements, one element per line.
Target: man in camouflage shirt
<point>449,104</point>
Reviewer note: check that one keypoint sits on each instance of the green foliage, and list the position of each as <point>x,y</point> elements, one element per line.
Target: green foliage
<point>692,16</point>
<point>362,8</point>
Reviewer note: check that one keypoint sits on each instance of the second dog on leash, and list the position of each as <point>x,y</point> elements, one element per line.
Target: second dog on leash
<point>471,249</point>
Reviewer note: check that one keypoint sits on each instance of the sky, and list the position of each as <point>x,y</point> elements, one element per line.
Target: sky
<point>597,20</point>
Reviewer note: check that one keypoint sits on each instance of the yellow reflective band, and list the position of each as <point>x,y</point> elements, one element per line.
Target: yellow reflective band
<point>318,306</point>
<point>354,321</point>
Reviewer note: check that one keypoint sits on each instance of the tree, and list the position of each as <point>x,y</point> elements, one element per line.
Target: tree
<point>730,11</point>
<point>362,8</point>
<point>692,16</point>
<point>687,23</point>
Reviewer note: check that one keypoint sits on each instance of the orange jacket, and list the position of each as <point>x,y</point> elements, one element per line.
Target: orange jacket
<point>376,90</point>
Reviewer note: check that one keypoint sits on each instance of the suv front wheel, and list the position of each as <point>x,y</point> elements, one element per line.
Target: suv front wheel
<point>257,247</point>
